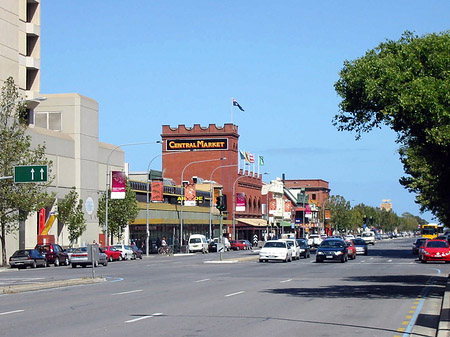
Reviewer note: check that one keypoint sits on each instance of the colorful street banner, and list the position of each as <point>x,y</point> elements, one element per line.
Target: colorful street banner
<point>240,202</point>
<point>308,213</point>
<point>287,206</point>
<point>118,185</point>
<point>272,206</point>
<point>189,195</point>
<point>157,191</point>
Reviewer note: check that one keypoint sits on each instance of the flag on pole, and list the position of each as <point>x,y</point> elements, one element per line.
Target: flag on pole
<point>235,103</point>
<point>251,158</point>
<point>242,154</point>
<point>261,161</point>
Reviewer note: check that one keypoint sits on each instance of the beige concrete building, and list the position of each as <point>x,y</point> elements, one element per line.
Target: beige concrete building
<point>66,123</point>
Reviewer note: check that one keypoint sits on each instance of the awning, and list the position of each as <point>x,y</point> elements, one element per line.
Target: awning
<point>253,222</point>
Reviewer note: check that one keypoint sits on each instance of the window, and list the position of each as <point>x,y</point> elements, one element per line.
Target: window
<point>48,120</point>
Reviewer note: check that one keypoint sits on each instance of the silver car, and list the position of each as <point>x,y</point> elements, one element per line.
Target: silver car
<point>81,257</point>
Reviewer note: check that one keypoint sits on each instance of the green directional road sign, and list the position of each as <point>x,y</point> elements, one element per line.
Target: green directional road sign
<point>30,174</point>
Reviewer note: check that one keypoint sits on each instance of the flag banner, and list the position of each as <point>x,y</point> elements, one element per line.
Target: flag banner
<point>249,157</point>
<point>287,206</point>
<point>118,185</point>
<point>261,160</point>
<point>189,195</point>
<point>242,154</point>
<point>327,214</point>
<point>157,191</point>
<point>308,213</point>
<point>272,206</point>
<point>235,103</point>
<point>240,202</point>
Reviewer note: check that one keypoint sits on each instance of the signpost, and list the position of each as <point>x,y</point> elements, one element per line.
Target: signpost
<point>30,174</point>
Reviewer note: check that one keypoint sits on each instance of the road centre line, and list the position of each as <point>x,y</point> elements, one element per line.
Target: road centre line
<point>128,292</point>
<point>204,280</point>
<point>143,317</point>
<point>233,294</point>
<point>10,312</point>
<point>286,281</point>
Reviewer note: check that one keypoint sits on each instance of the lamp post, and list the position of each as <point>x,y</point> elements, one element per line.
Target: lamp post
<point>147,239</point>
<point>107,181</point>
<point>212,196</point>
<point>182,191</point>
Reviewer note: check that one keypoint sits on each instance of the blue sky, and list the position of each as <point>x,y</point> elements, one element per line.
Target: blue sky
<point>150,63</point>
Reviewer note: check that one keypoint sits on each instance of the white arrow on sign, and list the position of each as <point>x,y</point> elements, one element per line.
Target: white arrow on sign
<point>42,174</point>
<point>32,174</point>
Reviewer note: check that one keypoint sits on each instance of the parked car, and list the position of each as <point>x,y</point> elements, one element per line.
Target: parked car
<point>226,243</point>
<point>361,246</point>
<point>248,244</point>
<point>435,250</point>
<point>275,250</point>
<point>137,252</point>
<point>23,258</point>
<point>80,257</point>
<point>69,252</point>
<point>54,254</point>
<point>237,245</point>
<point>198,243</point>
<point>332,249</point>
<point>127,252</point>
<point>295,248</point>
<point>314,240</point>
<point>351,248</point>
<point>417,244</point>
<point>305,251</point>
<point>112,253</point>
<point>212,246</point>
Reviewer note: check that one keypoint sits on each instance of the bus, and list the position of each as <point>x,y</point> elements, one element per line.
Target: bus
<point>431,230</point>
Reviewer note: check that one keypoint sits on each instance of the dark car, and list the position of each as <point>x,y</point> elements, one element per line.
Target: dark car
<point>418,243</point>
<point>305,251</point>
<point>361,246</point>
<point>23,258</point>
<point>54,254</point>
<point>332,249</point>
<point>137,252</point>
<point>212,246</point>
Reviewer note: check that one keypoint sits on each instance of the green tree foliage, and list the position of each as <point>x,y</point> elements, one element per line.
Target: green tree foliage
<point>340,209</point>
<point>70,213</point>
<point>17,200</point>
<point>120,212</point>
<point>405,85</point>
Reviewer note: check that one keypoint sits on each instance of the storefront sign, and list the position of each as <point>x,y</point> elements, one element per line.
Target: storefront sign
<point>197,144</point>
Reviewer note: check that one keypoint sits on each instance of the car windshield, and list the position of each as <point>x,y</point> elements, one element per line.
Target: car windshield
<point>195,240</point>
<point>332,244</point>
<point>275,245</point>
<point>359,242</point>
<point>437,244</point>
<point>367,235</point>
<point>420,242</point>
<point>21,253</point>
<point>290,243</point>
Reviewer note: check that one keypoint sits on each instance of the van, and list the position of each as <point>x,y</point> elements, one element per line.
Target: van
<point>369,237</point>
<point>197,243</point>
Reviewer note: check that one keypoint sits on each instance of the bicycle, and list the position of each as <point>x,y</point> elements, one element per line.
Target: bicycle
<point>167,250</point>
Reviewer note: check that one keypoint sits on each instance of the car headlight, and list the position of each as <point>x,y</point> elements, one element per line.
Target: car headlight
<point>320,253</point>
<point>338,253</point>
<point>426,252</point>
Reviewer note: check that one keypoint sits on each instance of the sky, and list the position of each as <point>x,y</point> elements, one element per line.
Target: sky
<point>150,63</point>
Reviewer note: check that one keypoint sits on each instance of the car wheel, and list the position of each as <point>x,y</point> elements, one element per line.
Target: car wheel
<point>110,258</point>
<point>261,260</point>
<point>57,262</point>
<point>343,259</point>
<point>120,257</point>
<point>34,264</point>
<point>74,265</point>
<point>319,261</point>
<point>95,264</point>
<point>423,261</point>
<point>105,263</point>
<point>66,262</point>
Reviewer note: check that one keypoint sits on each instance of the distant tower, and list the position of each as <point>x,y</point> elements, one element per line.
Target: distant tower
<point>386,204</point>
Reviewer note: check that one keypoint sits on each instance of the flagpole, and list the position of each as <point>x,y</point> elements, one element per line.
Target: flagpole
<point>231,111</point>
<point>258,164</point>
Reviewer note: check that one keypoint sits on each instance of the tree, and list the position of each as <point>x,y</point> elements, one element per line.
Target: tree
<point>17,200</point>
<point>120,211</point>
<point>404,85</point>
<point>341,216</point>
<point>70,213</point>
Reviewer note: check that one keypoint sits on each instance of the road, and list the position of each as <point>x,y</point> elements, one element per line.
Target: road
<point>381,294</point>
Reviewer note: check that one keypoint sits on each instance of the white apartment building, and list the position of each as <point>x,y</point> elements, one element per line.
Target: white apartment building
<point>67,123</point>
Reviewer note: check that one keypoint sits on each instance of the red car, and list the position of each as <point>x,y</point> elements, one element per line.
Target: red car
<point>435,250</point>
<point>113,253</point>
<point>351,248</point>
<point>238,245</point>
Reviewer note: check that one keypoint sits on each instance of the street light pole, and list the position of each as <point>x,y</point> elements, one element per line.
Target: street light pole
<point>107,182</point>
<point>182,192</point>
<point>211,196</point>
<point>39,99</point>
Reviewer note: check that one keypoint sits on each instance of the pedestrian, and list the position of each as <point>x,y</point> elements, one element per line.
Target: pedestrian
<point>158,242</point>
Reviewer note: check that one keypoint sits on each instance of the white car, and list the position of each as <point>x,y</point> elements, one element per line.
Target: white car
<point>369,237</point>
<point>275,250</point>
<point>125,250</point>
<point>314,240</point>
<point>225,241</point>
<point>294,247</point>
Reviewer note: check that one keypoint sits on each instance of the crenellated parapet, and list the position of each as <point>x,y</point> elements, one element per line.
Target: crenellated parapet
<point>198,130</point>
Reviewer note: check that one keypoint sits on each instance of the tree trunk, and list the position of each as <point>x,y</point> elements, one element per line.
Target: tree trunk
<point>3,240</point>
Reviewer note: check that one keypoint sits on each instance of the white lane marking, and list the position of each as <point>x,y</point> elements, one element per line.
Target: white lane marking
<point>239,292</point>
<point>127,292</point>
<point>286,281</point>
<point>389,260</point>
<point>143,317</point>
<point>204,280</point>
<point>10,312</point>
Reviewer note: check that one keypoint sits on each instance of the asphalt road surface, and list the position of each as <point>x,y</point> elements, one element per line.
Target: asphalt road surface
<point>382,294</point>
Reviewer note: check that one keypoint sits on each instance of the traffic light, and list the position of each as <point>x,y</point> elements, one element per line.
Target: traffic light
<point>221,202</point>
